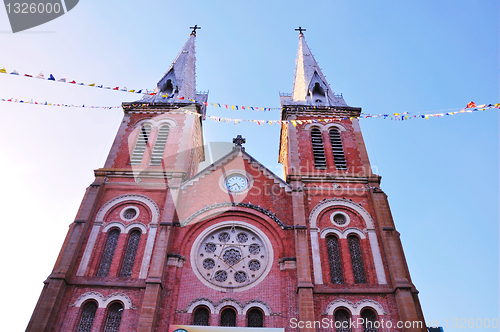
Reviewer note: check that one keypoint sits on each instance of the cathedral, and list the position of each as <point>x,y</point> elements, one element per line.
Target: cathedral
<point>160,245</point>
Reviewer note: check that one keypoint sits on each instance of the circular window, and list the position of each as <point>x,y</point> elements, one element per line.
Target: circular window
<point>340,219</point>
<point>231,255</point>
<point>129,213</point>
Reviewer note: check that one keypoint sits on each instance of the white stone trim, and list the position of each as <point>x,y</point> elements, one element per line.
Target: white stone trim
<point>325,127</point>
<point>228,303</point>
<point>148,251</point>
<point>257,304</point>
<point>125,229</point>
<point>114,224</point>
<point>99,220</point>
<point>355,309</point>
<point>88,249</point>
<point>346,216</point>
<point>102,301</point>
<point>316,256</point>
<point>137,212</point>
<point>342,234</point>
<point>200,302</point>
<point>316,211</point>
<point>377,257</point>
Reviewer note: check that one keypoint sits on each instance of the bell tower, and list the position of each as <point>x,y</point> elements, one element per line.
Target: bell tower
<point>116,249</point>
<point>342,220</point>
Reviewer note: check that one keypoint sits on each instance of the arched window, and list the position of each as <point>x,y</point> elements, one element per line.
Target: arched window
<point>342,321</point>
<point>201,316</point>
<point>255,318</point>
<point>369,321</point>
<point>318,149</point>
<point>109,251</point>
<point>357,260</point>
<point>159,148</point>
<point>114,317</point>
<point>87,318</point>
<point>129,258</point>
<point>338,150</point>
<point>332,245</point>
<point>228,317</point>
<point>140,146</point>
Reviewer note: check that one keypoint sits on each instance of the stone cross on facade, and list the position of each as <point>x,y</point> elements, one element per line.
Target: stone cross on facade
<point>196,27</point>
<point>300,30</point>
<point>238,141</point>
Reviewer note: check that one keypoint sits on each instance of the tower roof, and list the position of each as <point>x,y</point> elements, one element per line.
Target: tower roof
<point>310,86</point>
<point>179,82</point>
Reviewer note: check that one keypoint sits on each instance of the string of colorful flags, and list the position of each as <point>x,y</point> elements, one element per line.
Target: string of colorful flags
<point>470,108</point>
<point>141,91</point>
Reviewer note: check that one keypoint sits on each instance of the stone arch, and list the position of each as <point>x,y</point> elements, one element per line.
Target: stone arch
<point>323,205</point>
<point>229,303</point>
<point>370,304</point>
<point>103,302</point>
<point>200,302</point>
<point>341,303</point>
<point>342,234</point>
<point>257,304</point>
<point>325,127</point>
<point>155,211</point>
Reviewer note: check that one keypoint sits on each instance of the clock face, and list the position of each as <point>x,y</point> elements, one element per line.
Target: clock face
<point>236,183</point>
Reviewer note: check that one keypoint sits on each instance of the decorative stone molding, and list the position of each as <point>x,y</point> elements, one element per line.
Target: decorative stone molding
<point>229,303</point>
<point>201,301</point>
<point>316,211</point>
<point>342,234</point>
<point>102,301</point>
<point>155,211</point>
<point>326,127</point>
<point>176,260</point>
<point>125,229</point>
<point>354,309</point>
<point>259,304</point>
<point>235,204</point>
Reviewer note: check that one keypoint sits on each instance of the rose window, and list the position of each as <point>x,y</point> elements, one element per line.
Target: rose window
<point>231,255</point>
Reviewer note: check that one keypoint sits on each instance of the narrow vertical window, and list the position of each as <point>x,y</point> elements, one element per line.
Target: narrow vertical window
<point>159,148</point>
<point>369,321</point>
<point>140,146</point>
<point>114,317</point>
<point>332,245</point>
<point>109,251</point>
<point>318,149</point>
<point>338,150</point>
<point>342,321</point>
<point>228,317</point>
<point>201,316</point>
<point>129,258</point>
<point>357,260</point>
<point>255,318</point>
<point>87,318</point>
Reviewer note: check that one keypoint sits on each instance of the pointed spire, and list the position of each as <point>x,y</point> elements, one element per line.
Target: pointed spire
<point>179,82</point>
<point>310,86</point>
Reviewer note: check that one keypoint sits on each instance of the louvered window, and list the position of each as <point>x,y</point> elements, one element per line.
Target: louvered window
<point>140,146</point>
<point>87,319</point>
<point>318,149</point>
<point>369,321</point>
<point>228,317</point>
<point>201,316</point>
<point>342,321</point>
<point>255,318</point>
<point>114,317</point>
<point>159,148</point>
<point>109,251</point>
<point>357,260</point>
<point>332,245</point>
<point>338,150</point>
<point>129,259</point>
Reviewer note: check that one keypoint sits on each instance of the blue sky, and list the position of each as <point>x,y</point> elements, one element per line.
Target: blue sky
<point>441,175</point>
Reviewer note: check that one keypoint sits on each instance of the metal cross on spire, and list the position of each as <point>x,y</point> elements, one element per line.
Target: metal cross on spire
<point>196,27</point>
<point>238,141</point>
<point>300,30</point>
